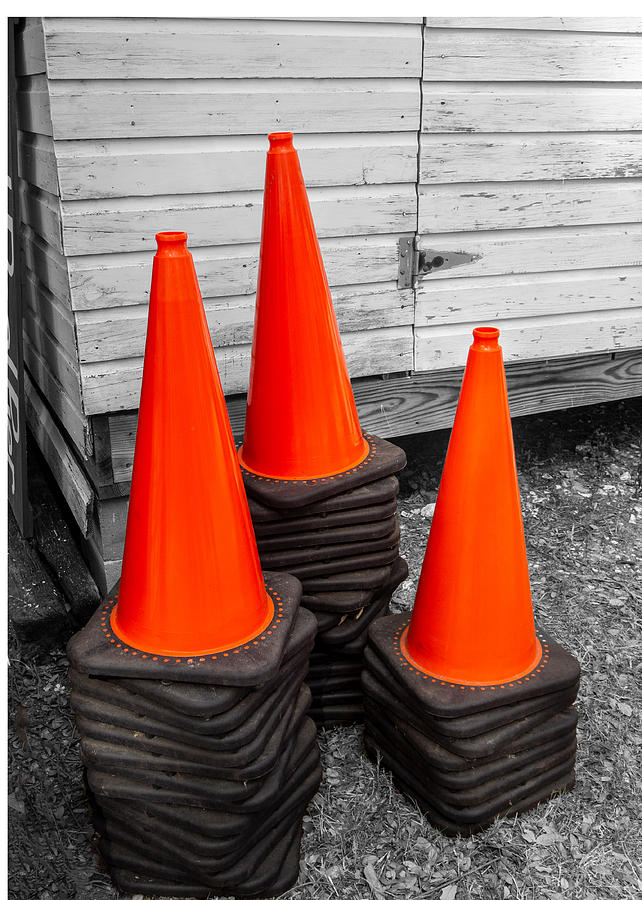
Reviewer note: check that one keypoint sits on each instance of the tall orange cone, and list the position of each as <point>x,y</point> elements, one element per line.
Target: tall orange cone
<point>473,619</point>
<point>301,419</point>
<point>191,580</point>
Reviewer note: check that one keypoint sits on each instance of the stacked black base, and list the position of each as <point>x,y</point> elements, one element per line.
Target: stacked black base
<point>470,754</point>
<point>199,780</point>
<point>340,536</point>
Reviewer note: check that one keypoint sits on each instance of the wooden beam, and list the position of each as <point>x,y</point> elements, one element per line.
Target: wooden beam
<point>426,402</point>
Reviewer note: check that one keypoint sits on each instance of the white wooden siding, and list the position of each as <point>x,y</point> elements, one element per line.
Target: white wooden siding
<point>133,126</point>
<point>530,157</point>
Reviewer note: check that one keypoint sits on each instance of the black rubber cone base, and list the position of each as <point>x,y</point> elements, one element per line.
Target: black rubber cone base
<point>361,579</point>
<point>137,754</point>
<point>470,725</point>
<point>464,774</point>
<point>287,559</point>
<point>344,602</point>
<point>479,746</point>
<point>411,765</point>
<point>375,493</point>
<point>346,565</point>
<point>270,875</point>
<point>224,795</point>
<point>357,517</point>
<point>454,820</point>
<point>328,537</point>
<point>556,671</point>
<point>181,843</point>
<point>245,742</point>
<point>383,459</point>
<point>96,650</point>
<point>207,700</point>
<point>252,709</point>
<point>353,625</point>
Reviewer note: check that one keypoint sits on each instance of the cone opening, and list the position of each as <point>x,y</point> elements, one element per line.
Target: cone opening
<point>281,140</point>
<point>486,336</point>
<point>171,237</point>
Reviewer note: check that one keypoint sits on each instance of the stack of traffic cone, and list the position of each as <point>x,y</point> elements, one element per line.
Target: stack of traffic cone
<point>187,684</point>
<point>468,704</point>
<point>322,494</point>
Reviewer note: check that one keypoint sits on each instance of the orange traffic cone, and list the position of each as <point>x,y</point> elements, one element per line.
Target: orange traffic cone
<point>301,421</point>
<point>472,621</point>
<point>191,580</point>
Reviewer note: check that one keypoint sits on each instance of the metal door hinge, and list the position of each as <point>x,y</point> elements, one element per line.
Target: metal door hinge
<point>416,261</point>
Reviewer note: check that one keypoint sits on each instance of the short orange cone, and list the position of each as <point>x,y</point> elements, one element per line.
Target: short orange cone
<point>473,619</point>
<point>301,419</point>
<point>191,580</point>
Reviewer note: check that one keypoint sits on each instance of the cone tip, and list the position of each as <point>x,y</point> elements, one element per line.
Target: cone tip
<point>171,243</point>
<point>486,338</point>
<point>280,141</point>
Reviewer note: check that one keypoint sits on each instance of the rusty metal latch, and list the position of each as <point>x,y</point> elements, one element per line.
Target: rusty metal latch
<point>416,261</point>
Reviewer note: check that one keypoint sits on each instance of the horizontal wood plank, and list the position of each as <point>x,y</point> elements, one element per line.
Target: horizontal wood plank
<point>484,55</point>
<point>50,312</point>
<point>515,108</point>
<point>115,385</point>
<point>37,162</point>
<point>107,281</point>
<point>519,157</point>
<point>509,296</point>
<point>622,24</point>
<point>30,48</point>
<point>73,421</point>
<point>113,226</point>
<point>47,263</point>
<point>228,48</point>
<point>40,211</point>
<point>427,401</point>
<point>69,476</point>
<point>139,108</point>
<point>490,206</point>
<point>138,167</point>
<point>537,250</point>
<point>60,363</point>
<point>537,337</point>
<point>34,108</point>
<point>120,333</point>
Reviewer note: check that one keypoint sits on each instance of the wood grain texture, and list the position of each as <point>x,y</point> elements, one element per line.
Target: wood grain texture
<point>40,211</point>
<point>74,423</point>
<point>427,401</point>
<point>228,48</point>
<point>484,55</point>
<point>37,162</point>
<point>48,264</point>
<point>602,24</point>
<point>70,478</point>
<point>60,363</point>
<point>509,296</point>
<point>136,167</point>
<point>538,250</point>
<point>113,226</point>
<point>490,206</point>
<point>50,312</point>
<point>34,108</point>
<point>30,48</point>
<point>123,279</point>
<point>533,108</point>
<point>140,108</point>
<point>115,385</point>
<point>519,157</point>
<point>535,337</point>
<point>120,333</point>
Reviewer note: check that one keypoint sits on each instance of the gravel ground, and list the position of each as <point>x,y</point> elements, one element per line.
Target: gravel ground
<point>581,489</point>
